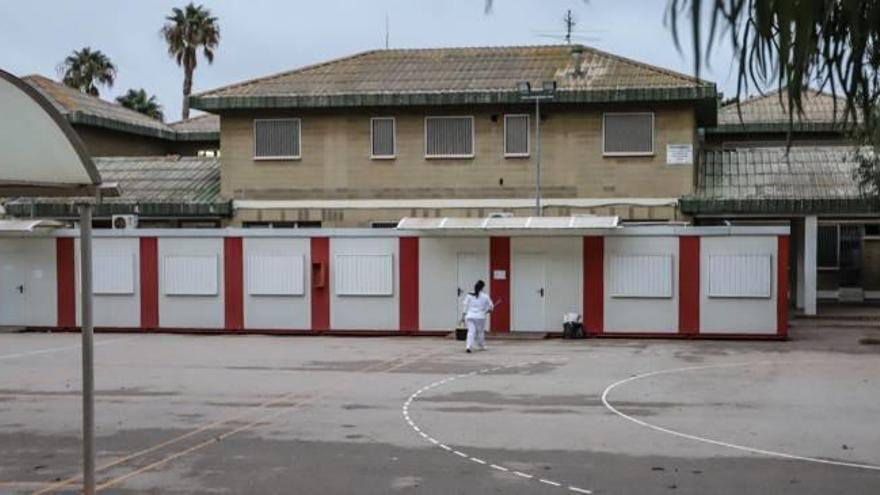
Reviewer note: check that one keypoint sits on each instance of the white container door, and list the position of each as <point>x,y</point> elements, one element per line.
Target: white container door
<point>12,289</point>
<point>529,293</point>
<point>471,267</point>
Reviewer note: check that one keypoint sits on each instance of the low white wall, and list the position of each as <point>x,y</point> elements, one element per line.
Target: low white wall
<point>364,312</point>
<point>634,313</point>
<point>121,306</point>
<point>191,311</point>
<point>563,281</point>
<point>439,307</point>
<point>30,263</point>
<point>272,311</point>
<point>739,315</point>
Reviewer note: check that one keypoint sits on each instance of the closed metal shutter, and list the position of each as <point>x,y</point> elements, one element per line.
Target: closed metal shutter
<point>383,137</point>
<point>628,133</point>
<point>449,137</point>
<point>277,138</point>
<point>516,135</point>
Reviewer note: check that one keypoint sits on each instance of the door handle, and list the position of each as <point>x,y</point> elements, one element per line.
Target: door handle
<point>458,292</point>
<point>20,289</point>
<point>541,291</point>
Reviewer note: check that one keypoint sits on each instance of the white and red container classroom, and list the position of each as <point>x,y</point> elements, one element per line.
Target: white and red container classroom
<point>637,281</point>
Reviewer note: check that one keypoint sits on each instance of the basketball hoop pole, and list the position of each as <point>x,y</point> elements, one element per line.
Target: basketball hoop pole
<point>88,357</point>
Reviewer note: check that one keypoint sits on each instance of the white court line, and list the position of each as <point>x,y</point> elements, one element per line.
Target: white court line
<point>719,443</point>
<point>60,349</point>
<point>464,455</point>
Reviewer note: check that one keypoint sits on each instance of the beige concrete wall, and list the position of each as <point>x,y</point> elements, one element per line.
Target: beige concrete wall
<point>106,142</point>
<point>335,159</point>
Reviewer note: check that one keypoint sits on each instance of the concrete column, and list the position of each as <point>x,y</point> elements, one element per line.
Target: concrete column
<point>809,263</point>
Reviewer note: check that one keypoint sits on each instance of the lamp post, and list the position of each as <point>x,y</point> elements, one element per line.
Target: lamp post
<point>526,93</point>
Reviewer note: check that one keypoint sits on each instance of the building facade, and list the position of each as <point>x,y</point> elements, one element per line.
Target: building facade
<point>369,139</point>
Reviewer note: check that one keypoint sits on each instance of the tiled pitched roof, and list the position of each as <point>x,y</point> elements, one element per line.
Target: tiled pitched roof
<point>156,186</point>
<point>769,112</point>
<point>163,179</point>
<point>769,180</point>
<point>200,123</point>
<point>80,108</point>
<point>457,75</point>
<point>202,127</point>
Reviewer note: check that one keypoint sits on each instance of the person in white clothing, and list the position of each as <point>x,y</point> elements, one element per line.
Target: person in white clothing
<point>475,308</point>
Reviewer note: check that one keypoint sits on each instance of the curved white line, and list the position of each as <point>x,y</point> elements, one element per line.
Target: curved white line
<point>464,455</point>
<point>719,443</point>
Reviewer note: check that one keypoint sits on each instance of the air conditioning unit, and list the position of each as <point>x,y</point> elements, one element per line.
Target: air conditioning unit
<point>123,222</point>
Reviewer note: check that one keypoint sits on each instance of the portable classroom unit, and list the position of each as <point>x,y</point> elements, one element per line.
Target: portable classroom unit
<point>632,281</point>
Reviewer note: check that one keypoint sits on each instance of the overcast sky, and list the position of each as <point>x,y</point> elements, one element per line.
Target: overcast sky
<point>260,37</point>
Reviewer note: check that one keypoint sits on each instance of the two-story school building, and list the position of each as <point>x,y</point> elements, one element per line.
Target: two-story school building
<point>368,139</point>
<point>441,139</point>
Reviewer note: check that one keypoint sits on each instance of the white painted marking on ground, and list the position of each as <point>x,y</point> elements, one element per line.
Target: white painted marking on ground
<point>719,443</point>
<point>579,490</point>
<point>464,455</point>
<point>60,349</point>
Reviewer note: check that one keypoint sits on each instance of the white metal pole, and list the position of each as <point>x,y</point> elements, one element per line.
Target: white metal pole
<point>538,211</point>
<point>88,365</point>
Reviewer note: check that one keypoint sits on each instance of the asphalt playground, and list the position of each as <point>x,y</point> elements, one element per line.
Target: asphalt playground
<point>332,415</point>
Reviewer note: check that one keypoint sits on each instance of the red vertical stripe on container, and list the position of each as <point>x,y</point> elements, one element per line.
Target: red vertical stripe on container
<point>66,280</point>
<point>594,284</point>
<point>149,261</point>
<point>409,284</point>
<point>782,286</point>
<point>689,285</point>
<point>499,288</point>
<point>320,247</point>
<point>233,283</point>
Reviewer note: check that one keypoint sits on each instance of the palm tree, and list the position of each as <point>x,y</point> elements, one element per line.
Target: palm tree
<point>86,68</point>
<point>139,101</point>
<point>186,31</point>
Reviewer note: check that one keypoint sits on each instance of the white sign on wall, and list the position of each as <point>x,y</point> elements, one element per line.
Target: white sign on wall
<point>645,276</point>
<point>113,274</point>
<point>741,275</point>
<point>679,154</point>
<point>364,275</point>
<point>190,275</point>
<point>274,275</point>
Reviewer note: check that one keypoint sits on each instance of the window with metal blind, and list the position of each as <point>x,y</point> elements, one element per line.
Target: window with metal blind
<point>276,139</point>
<point>516,135</point>
<point>449,137</point>
<point>628,134</point>
<point>382,137</point>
